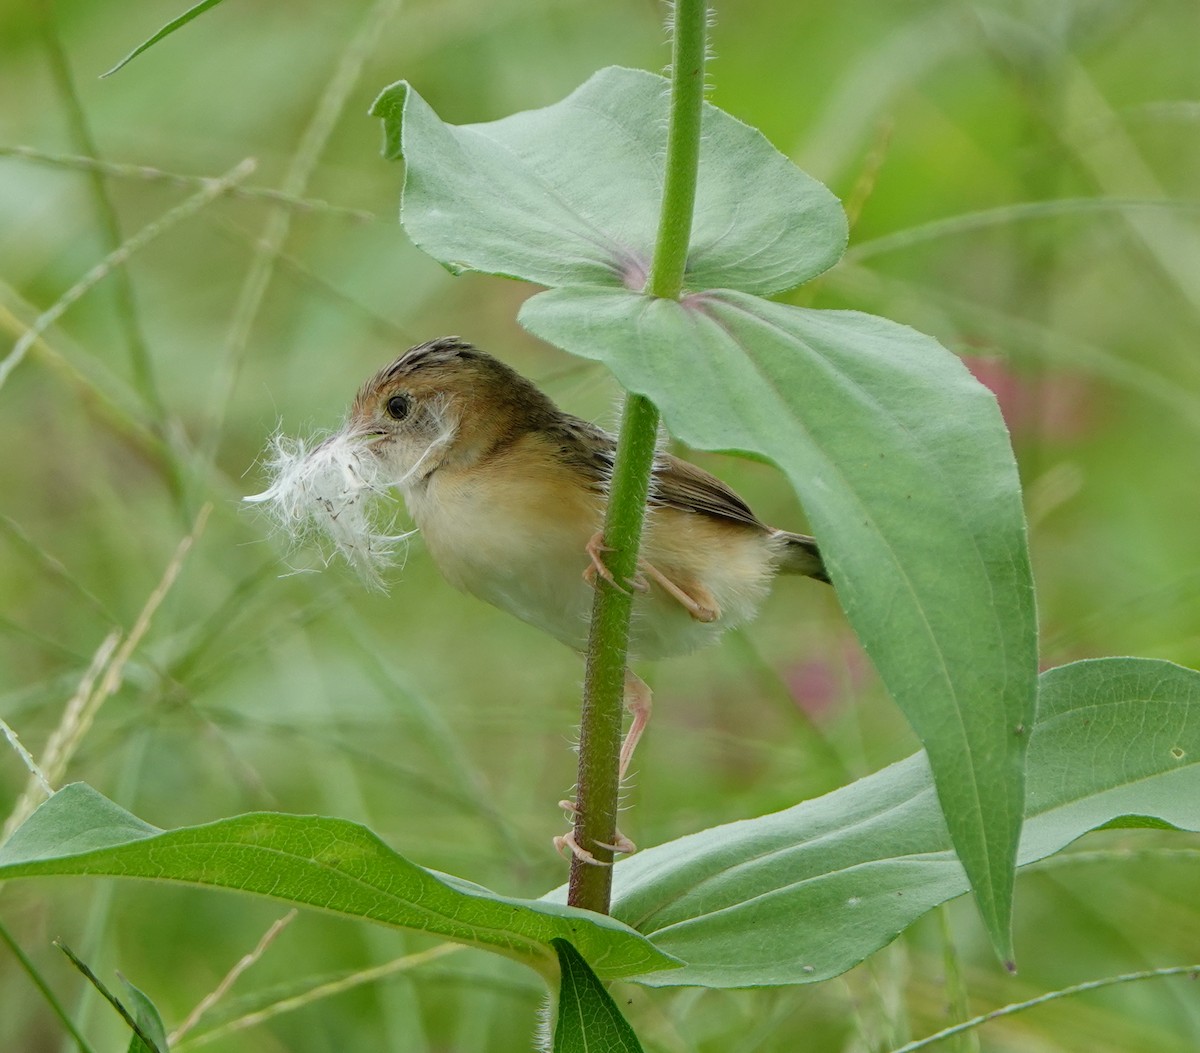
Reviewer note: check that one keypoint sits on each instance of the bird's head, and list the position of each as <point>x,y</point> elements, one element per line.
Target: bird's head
<point>443,403</point>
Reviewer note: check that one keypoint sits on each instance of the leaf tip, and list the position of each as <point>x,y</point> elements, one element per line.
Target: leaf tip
<point>389,108</point>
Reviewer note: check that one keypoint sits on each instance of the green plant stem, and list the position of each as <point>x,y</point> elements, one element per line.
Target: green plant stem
<point>608,643</point>
<point>683,150</point>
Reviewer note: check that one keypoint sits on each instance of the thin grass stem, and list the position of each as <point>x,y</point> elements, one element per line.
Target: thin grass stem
<point>150,174</point>
<point>106,214</point>
<point>325,990</point>
<point>101,681</point>
<point>26,757</point>
<point>116,259</point>
<point>1052,996</point>
<point>278,224</point>
<point>231,977</point>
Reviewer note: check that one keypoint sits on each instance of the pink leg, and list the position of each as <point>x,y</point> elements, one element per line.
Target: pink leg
<point>703,606</point>
<point>638,701</point>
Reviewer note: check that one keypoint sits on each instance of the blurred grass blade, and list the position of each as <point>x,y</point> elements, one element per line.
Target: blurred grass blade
<point>904,467</point>
<point>805,894</point>
<point>210,1000</point>
<point>1013,1008</point>
<point>46,991</point>
<point>118,258</point>
<point>1007,215</point>
<point>255,1009</point>
<point>330,864</point>
<point>588,1019</point>
<point>176,23</point>
<point>1024,341</point>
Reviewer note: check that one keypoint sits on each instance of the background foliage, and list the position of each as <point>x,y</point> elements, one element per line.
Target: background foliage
<point>444,725</point>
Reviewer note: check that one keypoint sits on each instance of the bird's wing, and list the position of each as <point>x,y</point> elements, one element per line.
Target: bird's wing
<point>583,447</point>
<point>681,484</point>
<point>677,483</point>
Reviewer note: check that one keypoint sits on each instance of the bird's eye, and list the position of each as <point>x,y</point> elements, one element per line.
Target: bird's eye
<point>398,407</point>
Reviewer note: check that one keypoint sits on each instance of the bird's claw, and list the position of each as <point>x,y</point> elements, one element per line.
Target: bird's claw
<point>582,854</point>
<point>621,844</point>
<point>598,568</point>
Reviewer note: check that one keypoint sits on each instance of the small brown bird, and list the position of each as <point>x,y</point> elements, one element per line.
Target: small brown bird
<point>509,492</point>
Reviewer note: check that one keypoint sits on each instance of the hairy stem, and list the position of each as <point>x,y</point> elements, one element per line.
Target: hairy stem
<point>683,150</point>
<point>608,643</point>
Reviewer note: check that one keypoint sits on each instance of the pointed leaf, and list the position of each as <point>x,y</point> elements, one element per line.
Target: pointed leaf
<point>588,1019</point>
<point>807,893</point>
<point>195,11</point>
<point>148,1033</point>
<point>145,1012</point>
<point>313,861</point>
<point>904,467</point>
<point>569,194</point>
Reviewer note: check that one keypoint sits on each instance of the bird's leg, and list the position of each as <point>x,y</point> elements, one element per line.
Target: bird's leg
<point>702,606</point>
<point>638,701</point>
<point>595,549</point>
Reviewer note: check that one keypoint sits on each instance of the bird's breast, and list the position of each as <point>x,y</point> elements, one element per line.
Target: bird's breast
<point>515,540</point>
<point>516,535</point>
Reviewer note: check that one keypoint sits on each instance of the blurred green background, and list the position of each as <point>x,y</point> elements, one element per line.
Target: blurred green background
<point>447,726</point>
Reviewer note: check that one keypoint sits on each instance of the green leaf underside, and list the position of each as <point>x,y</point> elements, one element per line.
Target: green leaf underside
<point>194,11</point>
<point>330,864</point>
<point>905,471</point>
<point>588,1019</point>
<point>807,893</point>
<point>570,194</point>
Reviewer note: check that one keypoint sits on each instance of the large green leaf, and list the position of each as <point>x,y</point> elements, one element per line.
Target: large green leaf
<point>806,893</point>
<point>330,864</point>
<point>905,470</point>
<point>588,1020</point>
<point>570,194</point>
<point>900,457</point>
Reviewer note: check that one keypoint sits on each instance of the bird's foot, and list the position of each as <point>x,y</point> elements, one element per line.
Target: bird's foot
<point>595,549</point>
<point>621,844</point>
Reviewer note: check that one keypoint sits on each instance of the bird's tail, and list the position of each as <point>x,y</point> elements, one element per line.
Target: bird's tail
<point>799,555</point>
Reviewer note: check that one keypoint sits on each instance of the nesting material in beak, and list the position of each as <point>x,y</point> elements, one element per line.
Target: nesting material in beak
<point>329,492</point>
